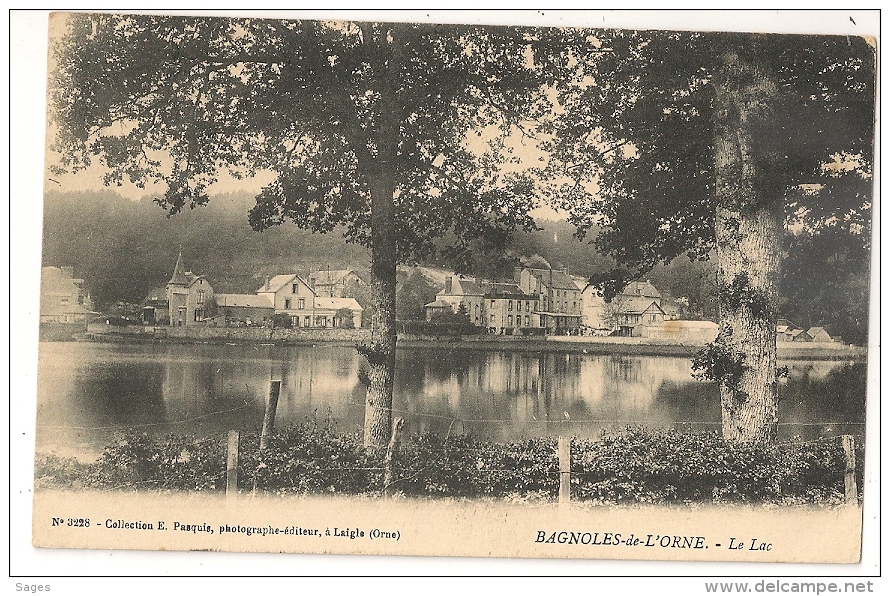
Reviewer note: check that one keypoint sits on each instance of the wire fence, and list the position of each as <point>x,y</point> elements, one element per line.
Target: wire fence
<point>557,418</point>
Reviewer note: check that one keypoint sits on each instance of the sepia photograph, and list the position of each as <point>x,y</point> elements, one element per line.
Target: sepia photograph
<point>456,286</point>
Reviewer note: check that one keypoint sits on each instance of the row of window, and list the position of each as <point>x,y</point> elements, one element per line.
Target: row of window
<point>565,294</point>
<point>528,305</point>
<point>492,321</point>
<point>319,321</point>
<point>301,303</point>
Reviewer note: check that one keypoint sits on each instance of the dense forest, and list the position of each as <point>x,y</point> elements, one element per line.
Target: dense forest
<point>123,248</point>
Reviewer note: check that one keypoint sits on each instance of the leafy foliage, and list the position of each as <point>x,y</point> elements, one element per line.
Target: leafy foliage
<point>656,195</point>
<point>179,98</point>
<point>631,466</point>
<point>412,293</point>
<point>716,362</point>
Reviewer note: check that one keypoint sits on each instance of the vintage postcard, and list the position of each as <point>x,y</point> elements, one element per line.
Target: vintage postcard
<point>456,286</point>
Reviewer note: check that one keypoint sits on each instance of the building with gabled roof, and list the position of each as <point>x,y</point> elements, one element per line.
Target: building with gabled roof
<point>436,308</point>
<point>292,296</point>
<point>155,308</point>
<point>62,296</point>
<point>331,312</point>
<point>249,309</point>
<point>187,295</point>
<point>463,291</point>
<point>819,335</point>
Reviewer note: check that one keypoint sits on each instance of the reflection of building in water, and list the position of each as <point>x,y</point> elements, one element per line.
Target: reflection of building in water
<point>629,383</point>
<point>319,383</point>
<point>814,369</point>
<point>530,389</point>
<point>85,388</point>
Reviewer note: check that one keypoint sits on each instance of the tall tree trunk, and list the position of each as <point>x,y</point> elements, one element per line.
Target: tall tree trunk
<point>748,229</point>
<point>381,354</point>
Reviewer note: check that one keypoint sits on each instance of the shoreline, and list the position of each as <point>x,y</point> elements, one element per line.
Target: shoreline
<point>559,344</point>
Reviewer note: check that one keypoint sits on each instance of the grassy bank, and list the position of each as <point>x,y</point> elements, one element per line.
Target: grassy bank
<point>561,344</point>
<point>629,467</point>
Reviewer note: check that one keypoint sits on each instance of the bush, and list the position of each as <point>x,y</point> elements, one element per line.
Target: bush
<point>282,321</point>
<point>437,329</point>
<point>631,466</point>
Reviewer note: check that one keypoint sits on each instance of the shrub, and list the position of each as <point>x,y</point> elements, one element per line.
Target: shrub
<point>634,465</point>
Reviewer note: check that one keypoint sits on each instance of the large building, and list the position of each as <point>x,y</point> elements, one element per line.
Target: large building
<point>559,298</point>
<point>509,310</point>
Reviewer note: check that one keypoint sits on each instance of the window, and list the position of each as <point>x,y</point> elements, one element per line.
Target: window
<point>492,303</point>
<point>201,294</point>
<point>509,305</point>
<point>528,306</point>
<point>301,303</point>
<point>287,303</point>
<point>510,321</point>
<point>293,289</point>
<point>307,321</point>
<point>526,320</point>
<point>295,321</point>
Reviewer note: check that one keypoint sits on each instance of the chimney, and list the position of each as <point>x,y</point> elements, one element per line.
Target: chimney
<point>448,285</point>
<point>266,284</point>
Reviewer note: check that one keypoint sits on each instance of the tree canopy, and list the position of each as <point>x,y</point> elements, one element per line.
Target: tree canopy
<point>714,141</point>
<point>640,121</point>
<point>365,126</point>
<point>181,98</point>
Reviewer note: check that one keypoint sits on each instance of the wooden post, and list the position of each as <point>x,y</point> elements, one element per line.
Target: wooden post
<point>851,494</point>
<point>397,424</point>
<point>232,466</point>
<point>269,417</point>
<point>564,450</point>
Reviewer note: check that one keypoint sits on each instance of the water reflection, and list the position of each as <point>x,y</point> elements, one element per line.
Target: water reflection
<point>89,392</point>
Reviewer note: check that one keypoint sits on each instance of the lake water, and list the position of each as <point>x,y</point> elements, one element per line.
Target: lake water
<point>88,393</point>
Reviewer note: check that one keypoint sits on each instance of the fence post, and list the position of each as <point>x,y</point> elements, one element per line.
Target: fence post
<point>851,494</point>
<point>564,450</point>
<point>397,424</point>
<point>232,467</point>
<point>269,417</point>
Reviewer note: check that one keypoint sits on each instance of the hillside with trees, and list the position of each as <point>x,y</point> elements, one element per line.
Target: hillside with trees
<point>123,248</point>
